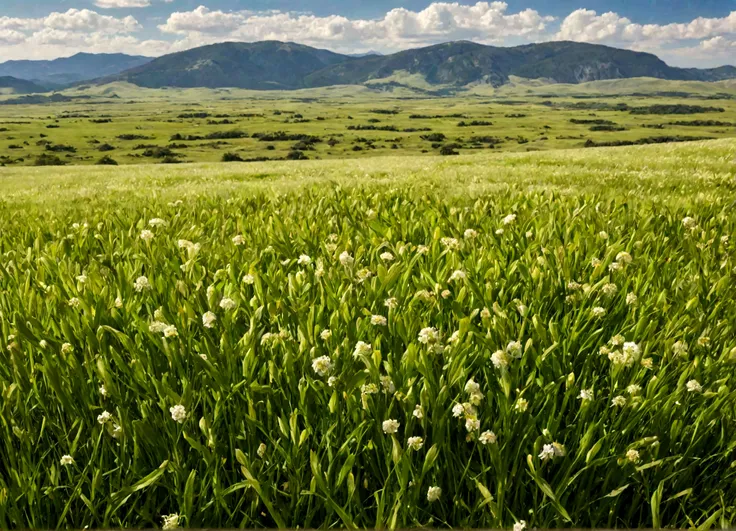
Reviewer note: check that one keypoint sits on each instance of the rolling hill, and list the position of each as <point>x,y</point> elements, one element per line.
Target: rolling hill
<point>13,85</point>
<point>69,70</point>
<point>277,65</point>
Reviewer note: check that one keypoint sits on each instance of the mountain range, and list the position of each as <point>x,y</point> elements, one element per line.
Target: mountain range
<point>68,70</point>
<point>279,65</point>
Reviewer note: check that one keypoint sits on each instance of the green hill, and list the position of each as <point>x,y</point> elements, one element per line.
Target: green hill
<point>12,85</point>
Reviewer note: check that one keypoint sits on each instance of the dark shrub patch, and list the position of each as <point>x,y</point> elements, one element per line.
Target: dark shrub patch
<point>107,160</point>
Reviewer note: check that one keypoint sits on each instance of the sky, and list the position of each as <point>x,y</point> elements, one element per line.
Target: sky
<point>699,33</point>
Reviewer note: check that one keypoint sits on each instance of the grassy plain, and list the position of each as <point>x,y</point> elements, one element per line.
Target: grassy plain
<point>520,117</point>
<point>534,339</point>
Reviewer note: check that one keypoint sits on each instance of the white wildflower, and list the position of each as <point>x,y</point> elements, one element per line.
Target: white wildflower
<point>142,284</point>
<point>693,386</point>
<point>390,426</point>
<point>487,437</point>
<point>228,304</point>
<point>378,320</point>
<point>322,365</point>
<point>208,320</point>
<point>362,349</point>
<point>433,494</point>
<point>66,460</point>
<point>178,413</point>
<point>415,443</point>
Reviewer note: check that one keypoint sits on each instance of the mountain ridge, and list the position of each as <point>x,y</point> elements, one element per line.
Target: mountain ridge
<point>64,71</point>
<point>285,65</point>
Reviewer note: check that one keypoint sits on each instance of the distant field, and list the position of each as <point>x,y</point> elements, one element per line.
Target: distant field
<point>537,340</point>
<point>127,125</point>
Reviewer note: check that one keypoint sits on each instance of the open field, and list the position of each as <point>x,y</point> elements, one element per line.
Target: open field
<point>125,124</point>
<point>533,339</point>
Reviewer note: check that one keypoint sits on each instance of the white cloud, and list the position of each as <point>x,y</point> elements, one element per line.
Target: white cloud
<point>110,4</point>
<point>482,22</point>
<point>586,25</point>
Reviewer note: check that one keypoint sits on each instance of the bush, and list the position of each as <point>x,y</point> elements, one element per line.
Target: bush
<point>105,147</point>
<point>107,160</point>
<point>296,155</point>
<point>231,157</point>
<point>48,160</point>
<point>434,137</point>
<point>448,150</point>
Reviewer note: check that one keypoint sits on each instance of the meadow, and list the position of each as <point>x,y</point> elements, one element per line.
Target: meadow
<point>124,124</point>
<point>527,340</point>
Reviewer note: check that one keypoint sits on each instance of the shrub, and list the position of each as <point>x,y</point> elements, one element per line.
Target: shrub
<point>107,160</point>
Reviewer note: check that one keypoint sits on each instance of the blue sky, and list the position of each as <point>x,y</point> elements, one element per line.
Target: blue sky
<point>682,32</point>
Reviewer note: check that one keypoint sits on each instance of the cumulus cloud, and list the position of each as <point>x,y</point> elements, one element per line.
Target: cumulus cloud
<point>110,4</point>
<point>481,22</point>
<point>586,25</point>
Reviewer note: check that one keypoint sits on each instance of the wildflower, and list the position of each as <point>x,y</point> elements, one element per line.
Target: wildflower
<point>170,331</point>
<point>458,410</point>
<point>238,239</point>
<point>304,260</point>
<point>609,290</point>
<point>521,405</point>
<point>388,385</point>
<point>508,220</point>
<point>43,343</point>
<point>387,257</point>
<point>703,341</point>
<point>67,348</point>
<point>142,284</point>
<point>617,340</point>
<point>103,390</point>
<point>450,243</point>
<point>547,453</point>
<point>118,302</point>
<point>363,275</point>
<point>157,327</point>
<point>331,381</point>
<point>586,394</point>
<point>261,450</point>
<point>104,417</point>
<point>618,401</point>
<point>248,279</point>
<point>693,386</point>
<point>74,302</point>
<point>679,348</point>
<point>390,426</point>
<point>391,303</point>
<point>631,352</point>
<point>624,258</point>
<point>346,259</point>
<point>326,334</point>
<point>428,336</point>
<point>368,389</point>
<point>208,320</point>
<point>470,234</point>
<point>378,320</point>
<point>520,525</point>
<point>603,235</point>
<point>178,413</point>
<point>415,443</point>
<point>500,231</point>
<point>146,235</point>
<point>599,312</point>
<point>322,365</point>
<point>458,274</point>
<point>487,437</point>
<point>499,359</point>
<point>647,363</point>
<point>472,424</point>
<point>631,299</point>
<point>171,521</point>
<point>633,389</point>
<point>514,349</point>
<point>362,349</point>
<point>689,223</point>
<point>157,222</point>
<point>433,494</point>
<point>418,412</point>
<point>595,262</point>
<point>632,456</point>
<point>445,293</point>
<point>485,313</point>
<point>228,304</point>
<point>66,460</point>
<point>203,356</point>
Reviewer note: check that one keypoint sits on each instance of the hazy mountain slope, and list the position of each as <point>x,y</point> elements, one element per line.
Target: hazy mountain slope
<point>66,70</point>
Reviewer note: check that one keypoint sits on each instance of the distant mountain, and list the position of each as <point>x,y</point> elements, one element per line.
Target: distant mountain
<point>278,65</point>
<point>365,54</point>
<point>260,65</point>
<point>13,85</point>
<point>68,70</point>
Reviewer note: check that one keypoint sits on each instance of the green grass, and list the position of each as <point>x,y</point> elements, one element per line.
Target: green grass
<point>264,440</point>
<point>519,119</point>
